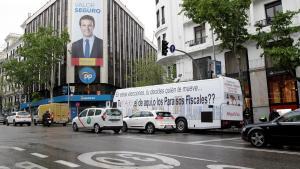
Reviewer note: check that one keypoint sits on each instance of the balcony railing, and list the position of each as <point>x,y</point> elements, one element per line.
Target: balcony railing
<point>196,41</point>
<point>264,22</point>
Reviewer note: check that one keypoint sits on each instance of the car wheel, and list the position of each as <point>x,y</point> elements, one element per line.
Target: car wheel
<point>97,128</point>
<point>7,123</point>
<point>29,124</point>
<point>14,123</point>
<point>64,124</point>
<point>117,131</point>
<point>150,128</point>
<point>34,122</point>
<point>75,127</point>
<point>181,126</point>
<point>258,138</point>
<point>124,128</point>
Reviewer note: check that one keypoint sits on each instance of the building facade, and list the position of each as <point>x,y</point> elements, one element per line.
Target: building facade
<point>10,93</point>
<point>122,42</point>
<point>264,88</point>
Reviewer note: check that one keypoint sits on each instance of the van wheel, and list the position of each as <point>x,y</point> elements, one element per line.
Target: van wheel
<point>124,128</point>
<point>150,128</point>
<point>75,127</point>
<point>117,131</point>
<point>258,138</point>
<point>181,125</point>
<point>97,128</point>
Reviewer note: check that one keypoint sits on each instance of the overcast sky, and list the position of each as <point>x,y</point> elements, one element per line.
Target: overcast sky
<point>14,12</point>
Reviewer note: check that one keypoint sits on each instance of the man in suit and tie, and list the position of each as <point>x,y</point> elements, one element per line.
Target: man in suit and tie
<point>89,46</point>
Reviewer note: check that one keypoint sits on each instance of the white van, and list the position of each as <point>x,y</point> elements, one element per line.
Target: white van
<point>202,104</point>
<point>98,119</point>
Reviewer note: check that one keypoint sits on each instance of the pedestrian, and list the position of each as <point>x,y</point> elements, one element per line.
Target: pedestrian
<point>247,116</point>
<point>273,115</point>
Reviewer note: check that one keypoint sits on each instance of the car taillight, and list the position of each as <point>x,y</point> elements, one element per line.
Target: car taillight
<point>103,116</point>
<point>159,117</point>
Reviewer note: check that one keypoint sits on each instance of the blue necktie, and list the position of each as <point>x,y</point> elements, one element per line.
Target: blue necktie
<point>87,49</point>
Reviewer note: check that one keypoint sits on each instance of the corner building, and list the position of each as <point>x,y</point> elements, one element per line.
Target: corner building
<point>92,81</point>
<point>265,88</point>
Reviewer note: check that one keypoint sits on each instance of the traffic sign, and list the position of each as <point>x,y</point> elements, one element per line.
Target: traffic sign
<point>172,48</point>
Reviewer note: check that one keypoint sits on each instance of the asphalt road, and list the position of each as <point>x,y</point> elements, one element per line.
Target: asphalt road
<point>58,147</point>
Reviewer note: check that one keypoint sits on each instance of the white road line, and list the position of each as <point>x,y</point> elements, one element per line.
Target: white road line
<point>39,155</point>
<point>252,149</point>
<point>214,140</point>
<point>66,163</point>
<point>18,148</point>
<point>217,146</point>
<point>157,140</point>
<point>192,158</point>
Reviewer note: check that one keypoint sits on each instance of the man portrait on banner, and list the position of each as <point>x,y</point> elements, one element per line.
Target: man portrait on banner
<point>89,46</point>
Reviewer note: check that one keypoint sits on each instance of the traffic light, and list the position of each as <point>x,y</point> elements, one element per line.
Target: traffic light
<point>164,47</point>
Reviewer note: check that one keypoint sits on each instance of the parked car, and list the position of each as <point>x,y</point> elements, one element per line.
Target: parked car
<point>283,130</point>
<point>98,119</point>
<point>150,121</point>
<point>19,117</point>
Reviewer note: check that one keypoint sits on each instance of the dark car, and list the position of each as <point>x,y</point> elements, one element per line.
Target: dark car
<point>284,130</point>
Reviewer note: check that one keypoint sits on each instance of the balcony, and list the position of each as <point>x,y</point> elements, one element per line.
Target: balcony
<point>163,21</point>
<point>196,41</point>
<point>264,22</point>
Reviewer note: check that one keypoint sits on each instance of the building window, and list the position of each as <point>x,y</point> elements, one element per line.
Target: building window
<point>162,15</point>
<point>157,19</point>
<point>271,10</point>
<point>200,36</point>
<point>172,72</point>
<point>282,89</point>
<point>159,43</point>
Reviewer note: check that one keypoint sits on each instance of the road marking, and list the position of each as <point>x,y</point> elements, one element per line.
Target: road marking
<point>66,163</point>
<point>217,146</point>
<point>157,140</point>
<point>252,149</point>
<point>18,148</point>
<point>39,155</point>
<point>192,158</point>
<point>214,140</point>
<point>127,160</point>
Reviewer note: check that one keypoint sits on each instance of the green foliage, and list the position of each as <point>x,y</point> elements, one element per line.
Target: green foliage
<point>228,18</point>
<point>40,52</point>
<point>35,97</point>
<point>148,72</point>
<point>278,42</point>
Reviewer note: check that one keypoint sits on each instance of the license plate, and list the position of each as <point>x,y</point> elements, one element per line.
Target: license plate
<point>168,127</point>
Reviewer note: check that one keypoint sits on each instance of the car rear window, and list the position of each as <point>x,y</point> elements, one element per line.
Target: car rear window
<point>163,114</point>
<point>113,112</point>
<point>23,113</point>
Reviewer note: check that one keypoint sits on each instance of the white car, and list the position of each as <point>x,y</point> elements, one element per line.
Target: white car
<point>19,117</point>
<point>98,119</point>
<point>150,121</point>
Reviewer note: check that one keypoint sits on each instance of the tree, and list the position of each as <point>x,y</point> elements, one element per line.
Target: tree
<point>148,72</point>
<point>278,43</point>
<point>227,18</point>
<point>41,52</point>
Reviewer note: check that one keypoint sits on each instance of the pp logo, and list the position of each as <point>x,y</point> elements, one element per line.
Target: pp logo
<point>127,160</point>
<point>87,75</point>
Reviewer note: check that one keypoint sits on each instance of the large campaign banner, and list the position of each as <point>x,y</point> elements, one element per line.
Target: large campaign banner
<point>87,33</point>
